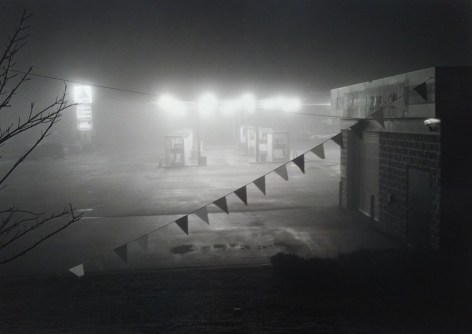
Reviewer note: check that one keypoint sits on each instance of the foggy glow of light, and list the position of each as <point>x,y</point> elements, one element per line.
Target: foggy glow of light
<point>248,102</point>
<point>230,106</point>
<point>172,105</point>
<point>267,104</point>
<point>318,104</point>
<point>207,104</point>
<point>292,104</point>
<point>272,103</point>
<point>83,94</point>
<point>282,103</point>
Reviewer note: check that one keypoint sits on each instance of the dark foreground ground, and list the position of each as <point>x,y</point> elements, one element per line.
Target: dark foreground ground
<point>389,291</point>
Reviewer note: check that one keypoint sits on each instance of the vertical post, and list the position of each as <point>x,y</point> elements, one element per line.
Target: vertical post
<point>197,138</point>
<point>234,121</point>
<point>257,144</point>
<point>240,123</point>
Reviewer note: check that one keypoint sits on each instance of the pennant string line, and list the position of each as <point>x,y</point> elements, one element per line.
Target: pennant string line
<point>203,206</point>
<point>247,184</point>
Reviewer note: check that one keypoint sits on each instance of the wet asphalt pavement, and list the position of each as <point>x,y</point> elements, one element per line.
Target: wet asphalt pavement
<point>126,195</point>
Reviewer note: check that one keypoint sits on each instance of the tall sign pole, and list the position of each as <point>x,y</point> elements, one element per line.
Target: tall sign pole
<point>83,98</point>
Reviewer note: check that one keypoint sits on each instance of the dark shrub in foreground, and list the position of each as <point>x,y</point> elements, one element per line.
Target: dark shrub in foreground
<point>315,271</point>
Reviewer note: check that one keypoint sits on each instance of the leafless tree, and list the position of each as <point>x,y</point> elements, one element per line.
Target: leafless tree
<point>16,223</point>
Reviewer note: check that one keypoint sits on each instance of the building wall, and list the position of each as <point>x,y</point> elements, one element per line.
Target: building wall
<point>349,179</point>
<point>404,142</point>
<point>398,151</point>
<point>395,94</point>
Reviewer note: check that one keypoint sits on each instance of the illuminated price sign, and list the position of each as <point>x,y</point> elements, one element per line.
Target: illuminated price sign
<point>83,98</point>
<point>84,125</point>
<point>84,112</point>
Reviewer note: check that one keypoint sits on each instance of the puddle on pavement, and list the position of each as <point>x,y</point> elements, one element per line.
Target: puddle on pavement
<point>182,249</point>
<point>230,246</point>
<point>256,223</point>
<point>206,249</point>
<point>189,248</point>
<point>85,210</point>
<point>185,249</point>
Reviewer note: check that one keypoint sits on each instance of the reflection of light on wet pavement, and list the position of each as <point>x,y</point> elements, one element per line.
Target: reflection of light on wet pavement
<point>292,241</point>
<point>226,228</point>
<point>299,216</point>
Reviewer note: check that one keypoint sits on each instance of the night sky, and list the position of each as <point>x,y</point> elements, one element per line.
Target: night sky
<point>297,46</point>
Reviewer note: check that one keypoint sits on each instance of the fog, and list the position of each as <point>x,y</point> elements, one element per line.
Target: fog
<point>123,160</point>
<point>235,166</point>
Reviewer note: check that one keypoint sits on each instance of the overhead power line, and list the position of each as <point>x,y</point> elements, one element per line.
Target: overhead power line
<point>156,96</point>
<point>85,83</point>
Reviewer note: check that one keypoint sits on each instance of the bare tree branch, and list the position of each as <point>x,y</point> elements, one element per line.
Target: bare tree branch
<point>11,49</point>
<point>16,223</point>
<point>50,118</point>
<point>38,222</point>
<point>73,218</point>
<point>12,92</point>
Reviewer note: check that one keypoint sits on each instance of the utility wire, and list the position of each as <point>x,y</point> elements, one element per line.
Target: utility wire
<point>88,84</point>
<point>154,95</point>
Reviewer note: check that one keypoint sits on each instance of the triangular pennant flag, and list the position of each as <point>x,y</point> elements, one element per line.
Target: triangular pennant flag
<point>282,171</point>
<point>260,183</point>
<point>203,214</point>
<point>242,194</point>
<point>78,270</point>
<point>357,128</point>
<point>379,117</point>
<point>338,139</point>
<point>183,223</point>
<point>143,242</point>
<point>221,203</point>
<point>422,91</point>
<point>300,162</point>
<point>319,151</point>
<point>122,252</point>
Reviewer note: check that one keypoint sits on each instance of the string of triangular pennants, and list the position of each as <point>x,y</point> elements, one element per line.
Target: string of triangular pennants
<point>241,193</point>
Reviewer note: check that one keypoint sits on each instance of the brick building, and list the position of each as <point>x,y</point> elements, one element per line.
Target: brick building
<point>412,181</point>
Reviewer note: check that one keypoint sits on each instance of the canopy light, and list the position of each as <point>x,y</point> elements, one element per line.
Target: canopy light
<point>248,102</point>
<point>207,104</point>
<point>171,105</point>
<point>230,106</point>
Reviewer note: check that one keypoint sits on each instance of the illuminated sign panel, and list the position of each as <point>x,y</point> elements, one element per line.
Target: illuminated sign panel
<point>83,94</point>
<point>83,98</point>
<point>84,112</point>
<point>84,125</point>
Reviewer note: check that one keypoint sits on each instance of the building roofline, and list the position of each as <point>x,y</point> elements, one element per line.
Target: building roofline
<point>404,73</point>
